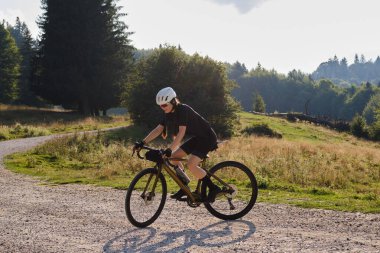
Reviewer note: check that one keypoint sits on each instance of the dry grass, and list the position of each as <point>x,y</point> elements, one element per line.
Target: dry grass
<point>19,131</point>
<point>337,166</point>
<point>24,121</point>
<point>96,153</point>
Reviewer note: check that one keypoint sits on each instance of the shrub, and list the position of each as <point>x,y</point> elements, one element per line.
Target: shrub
<point>374,130</point>
<point>3,134</point>
<point>261,130</point>
<point>359,127</point>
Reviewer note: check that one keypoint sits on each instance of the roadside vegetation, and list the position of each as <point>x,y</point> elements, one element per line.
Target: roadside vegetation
<point>310,166</point>
<point>24,121</point>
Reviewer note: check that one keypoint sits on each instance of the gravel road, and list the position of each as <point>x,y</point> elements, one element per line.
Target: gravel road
<point>38,217</point>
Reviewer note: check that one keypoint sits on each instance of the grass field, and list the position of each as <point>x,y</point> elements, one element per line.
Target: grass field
<point>310,166</point>
<point>23,121</point>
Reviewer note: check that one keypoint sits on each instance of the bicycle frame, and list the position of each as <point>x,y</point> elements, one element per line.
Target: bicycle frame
<point>167,166</point>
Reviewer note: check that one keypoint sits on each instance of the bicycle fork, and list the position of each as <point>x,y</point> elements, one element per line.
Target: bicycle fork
<point>148,196</point>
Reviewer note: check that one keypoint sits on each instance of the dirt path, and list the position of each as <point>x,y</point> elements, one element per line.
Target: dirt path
<point>74,218</point>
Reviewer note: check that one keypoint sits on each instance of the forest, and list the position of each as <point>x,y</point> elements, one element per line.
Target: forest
<point>344,75</point>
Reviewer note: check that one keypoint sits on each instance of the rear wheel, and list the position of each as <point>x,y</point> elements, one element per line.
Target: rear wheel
<point>231,205</point>
<point>143,204</point>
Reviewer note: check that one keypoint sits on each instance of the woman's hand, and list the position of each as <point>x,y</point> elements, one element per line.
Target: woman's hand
<point>138,145</point>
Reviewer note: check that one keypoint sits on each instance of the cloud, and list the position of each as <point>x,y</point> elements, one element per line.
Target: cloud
<point>244,6</point>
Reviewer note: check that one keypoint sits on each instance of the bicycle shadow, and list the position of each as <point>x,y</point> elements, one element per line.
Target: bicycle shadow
<point>149,240</point>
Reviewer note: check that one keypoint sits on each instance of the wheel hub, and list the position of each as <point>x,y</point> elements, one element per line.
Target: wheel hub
<point>148,198</point>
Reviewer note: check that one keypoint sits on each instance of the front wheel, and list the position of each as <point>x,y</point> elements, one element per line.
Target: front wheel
<point>235,203</point>
<point>144,201</point>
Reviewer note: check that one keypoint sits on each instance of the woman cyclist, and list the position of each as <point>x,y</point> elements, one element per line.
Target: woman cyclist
<point>181,120</point>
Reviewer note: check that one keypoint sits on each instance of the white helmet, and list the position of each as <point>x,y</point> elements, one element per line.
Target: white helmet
<point>165,95</point>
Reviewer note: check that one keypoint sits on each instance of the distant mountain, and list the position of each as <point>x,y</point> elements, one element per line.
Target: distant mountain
<point>344,75</point>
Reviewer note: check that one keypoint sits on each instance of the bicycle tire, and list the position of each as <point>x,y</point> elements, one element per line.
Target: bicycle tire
<point>134,199</point>
<point>231,172</point>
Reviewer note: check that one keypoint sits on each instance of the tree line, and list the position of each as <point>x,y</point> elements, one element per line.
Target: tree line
<point>344,75</point>
<point>299,92</point>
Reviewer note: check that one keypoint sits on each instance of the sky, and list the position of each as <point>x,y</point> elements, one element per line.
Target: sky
<point>279,34</point>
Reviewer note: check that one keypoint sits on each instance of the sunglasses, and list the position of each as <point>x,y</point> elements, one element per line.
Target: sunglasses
<point>164,105</point>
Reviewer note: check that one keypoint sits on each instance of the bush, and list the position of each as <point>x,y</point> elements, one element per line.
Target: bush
<point>374,129</point>
<point>262,182</point>
<point>3,134</point>
<point>261,130</point>
<point>359,127</point>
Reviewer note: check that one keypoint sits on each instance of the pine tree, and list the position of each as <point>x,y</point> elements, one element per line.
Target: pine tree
<point>9,66</point>
<point>343,73</point>
<point>362,59</point>
<point>258,104</point>
<point>16,32</point>
<point>356,60</point>
<point>237,70</point>
<point>25,43</point>
<point>85,54</point>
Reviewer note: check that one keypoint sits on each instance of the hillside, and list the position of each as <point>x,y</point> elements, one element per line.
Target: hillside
<point>303,131</point>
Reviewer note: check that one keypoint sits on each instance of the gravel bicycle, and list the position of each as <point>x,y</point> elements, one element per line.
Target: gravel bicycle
<point>146,195</point>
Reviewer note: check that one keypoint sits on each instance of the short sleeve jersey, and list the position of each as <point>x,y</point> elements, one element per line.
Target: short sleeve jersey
<point>184,115</point>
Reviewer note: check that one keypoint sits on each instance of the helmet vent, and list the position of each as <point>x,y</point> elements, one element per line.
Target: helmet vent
<point>165,95</point>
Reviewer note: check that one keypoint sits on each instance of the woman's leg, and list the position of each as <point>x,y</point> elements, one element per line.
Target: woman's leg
<point>178,153</point>
<point>199,173</point>
<point>193,164</point>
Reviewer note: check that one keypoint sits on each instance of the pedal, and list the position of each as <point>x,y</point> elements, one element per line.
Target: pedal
<point>183,199</point>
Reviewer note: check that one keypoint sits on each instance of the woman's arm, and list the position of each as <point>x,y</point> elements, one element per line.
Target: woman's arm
<point>154,134</point>
<point>178,138</point>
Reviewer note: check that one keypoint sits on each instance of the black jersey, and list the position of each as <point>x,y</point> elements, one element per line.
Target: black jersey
<point>184,115</point>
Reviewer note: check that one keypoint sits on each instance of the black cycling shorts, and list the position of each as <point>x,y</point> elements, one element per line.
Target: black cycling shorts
<point>199,146</point>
